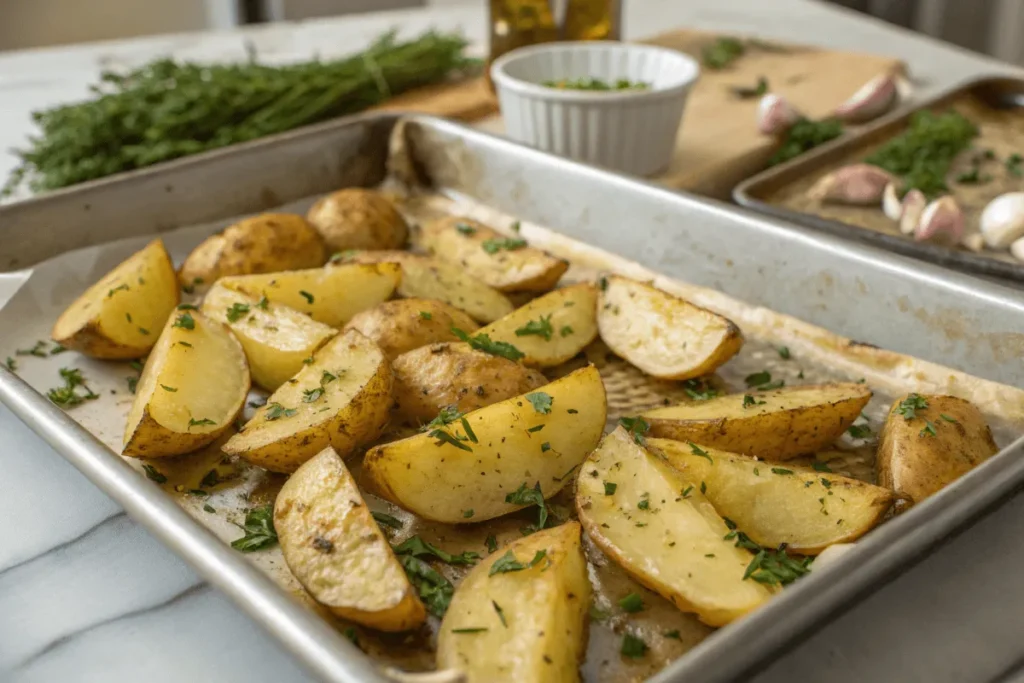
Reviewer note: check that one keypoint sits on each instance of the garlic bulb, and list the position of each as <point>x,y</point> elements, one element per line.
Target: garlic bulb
<point>873,99</point>
<point>775,115</point>
<point>942,221</point>
<point>1002,221</point>
<point>892,205</point>
<point>973,242</point>
<point>1017,249</point>
<point>913,206</point>
<point>857,184</point>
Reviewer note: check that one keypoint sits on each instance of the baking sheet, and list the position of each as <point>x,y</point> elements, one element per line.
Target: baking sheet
<point>54,284</point>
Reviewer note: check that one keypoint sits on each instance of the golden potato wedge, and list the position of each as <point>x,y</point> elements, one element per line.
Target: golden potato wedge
<point>676,546</point>
<point>505,263</point>
<point>805,509</point>
<point>663,335</point>
<point>427,278</point>
<point>119,316</point>
<point>773,425</point>
<point>526,624</point>
<point>929,441</point>
<point>192,388</point>
<point>336,550</point>
<point>406,324</point>
<point>357,218</point>
<point>277,339</point>
<point>433,377</point>
<point>552,328</point>
<point>331,295</point>
<point>341,400</point>
<point>538,437</point>
<point>266,243</point>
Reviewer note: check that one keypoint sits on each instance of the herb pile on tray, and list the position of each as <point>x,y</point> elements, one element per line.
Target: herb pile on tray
<point>167,109</point>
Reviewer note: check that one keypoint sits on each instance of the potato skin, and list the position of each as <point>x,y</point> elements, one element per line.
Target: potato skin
<point>439,375</point>
<point>261,244</point>
<point>406,324</point>
<point>356,218</point>
<point>916,464</point>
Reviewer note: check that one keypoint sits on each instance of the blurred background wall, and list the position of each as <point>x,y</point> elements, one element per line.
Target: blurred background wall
<point>995,27</point>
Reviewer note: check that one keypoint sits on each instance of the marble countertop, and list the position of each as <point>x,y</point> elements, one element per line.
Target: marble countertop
<point>87,595</point>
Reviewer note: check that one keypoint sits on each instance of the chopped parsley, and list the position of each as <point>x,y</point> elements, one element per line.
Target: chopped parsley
<point>311,395</point>
<point>500,612</point>
<point>632,603</point>
<point>469,630</point>
<point>699,390</point>
<point>822,467</point>
<point>306,295</point>
<point>633,647</point>
<point>763,381</point>
<point>11,364</point>
<point>492,543</point>
<point>637,428</point>
<point>609,488</point>
<point>697,450</point>
<point>434,589</point>
<point>909,406</point>
<point>781,470</point>
<point>494,245</point>
<point>185,321</point>
<point>444,437</point>
<point>540,401</point>
<point>38,350</point>
<point>482,342</point>
<point>565,331</point>
<point>526,496</point>
<point>263,303</point>
<point>259,530</point>
<point>540,327</point>
<point>508,563</point>
<point>417,547</point>
<point>947,418</point>
<point>775,567</point>
<point>426,315</point>
<point>237,311</point>
<point>186,307</point>
<point>211,479</point>
<point>1013,164</point>
<point>448,415</point>
<point>384,519</point>
<point>783,352</point>
<point>465,228</point>
<point>276,411</point>
<point>153,474</point>
<point>466,514</point>
<point>928,429</point>
<point>749,401</point>
<point>192,422</point>
<point>173,390</point>
<point>67,395</point>
<point>859,431</point>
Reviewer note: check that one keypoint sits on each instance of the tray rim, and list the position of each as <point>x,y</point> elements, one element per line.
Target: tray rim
<point>746,193</point>
<point>305,635</point>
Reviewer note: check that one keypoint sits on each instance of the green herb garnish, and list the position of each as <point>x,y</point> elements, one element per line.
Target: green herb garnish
<point>185,321</point>
<point>236,311</point>
<point>67,395</point>
<point>482,342</point>
<point>909,406</point>
<point>154,475</point>
<point>384,519</point>
<point>597,84</point>
<point>723,52</point>
<point>530,496</point>
<point>259,530</point>
<point>633,647</point>
<point>637,428</point>
<point>804,136</point>
<point>508,563</point>
<point>417,547</point>
<point>276,411</point>
<point>746,92</point>
<point>496,244</point>
<point>540,327</point>
<point>540,401</point>
<point>632,603</point>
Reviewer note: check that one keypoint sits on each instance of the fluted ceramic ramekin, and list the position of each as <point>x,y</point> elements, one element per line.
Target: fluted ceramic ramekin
<point>633,131</point>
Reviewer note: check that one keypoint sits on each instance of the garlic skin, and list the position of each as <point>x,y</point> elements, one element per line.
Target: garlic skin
<point>892,205</point>
<point>1002,221</point>
<point>857,184</point>
<point>775,115</point>
<point>1017,249</point>
<point>973,242</point>
<point>913,206</point>
<point>941,222</point>
<point>873,99</point>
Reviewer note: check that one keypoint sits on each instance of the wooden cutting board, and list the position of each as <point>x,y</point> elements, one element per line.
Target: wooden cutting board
<point>718,144</point>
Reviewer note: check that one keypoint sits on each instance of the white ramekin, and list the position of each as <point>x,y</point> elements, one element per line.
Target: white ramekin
<point>633,131</point>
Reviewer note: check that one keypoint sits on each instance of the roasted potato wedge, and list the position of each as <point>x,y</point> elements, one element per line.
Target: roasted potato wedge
<point>526,625</point>
<point>676,546</point>
<point>336,550</point>
<point>538,437</point>
<point>331,295</point>
<point>433,377</point>
<point>663,335</point>
<point>505,263</point>
<point>406,324</point>
<point>119,316</point>
<point>929,441</point>
<point>552,328</point>
<point>774,425</point>
<point>805,509</point>
<point>341,400</point>
<point>192,388</point>
<point>427,278</point>
<point>357,218</point>
<point>266,243</point>
<point>277,339</point>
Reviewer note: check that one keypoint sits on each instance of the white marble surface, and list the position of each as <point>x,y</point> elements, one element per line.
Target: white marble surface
<point>86,595</point>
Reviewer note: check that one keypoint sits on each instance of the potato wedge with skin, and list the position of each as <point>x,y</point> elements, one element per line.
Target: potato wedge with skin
<point>496,455</point>
<point>406,324</point>
<point>505,263</point>
<point>773,425</point>
<point>357,218</point>
<point>433,377</point>
<point>340,400</point>
<point>680,551</point>
<point>266,243</point>
<point>332,295</point>
<point>192,388</point>
<point>540,633</point>
<point>552,328</point>
<point>336,550</point>
<point>121,315</point>
<point>277,339</point>
<point>665,336</point>
<point>427,278</point>
<point>805,509</point>
<point>914,461</point>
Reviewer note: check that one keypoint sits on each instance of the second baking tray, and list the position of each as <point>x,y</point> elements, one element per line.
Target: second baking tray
<point>858,292</point>
<point>997,104</point>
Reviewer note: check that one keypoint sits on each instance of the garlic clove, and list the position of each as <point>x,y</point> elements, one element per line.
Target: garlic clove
<point>857,184</point>
<point>873,99</point>
<point>775,115</point>
<point>973,242</point>
<point>1002,221</point>
<point>1017,249</point>
<point>914,202</point>
<point>941,222</point>
<point>892,205</point>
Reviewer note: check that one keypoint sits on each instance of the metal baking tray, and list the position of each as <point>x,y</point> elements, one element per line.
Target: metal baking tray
<point>765,191</point>
<point>856,291</point>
